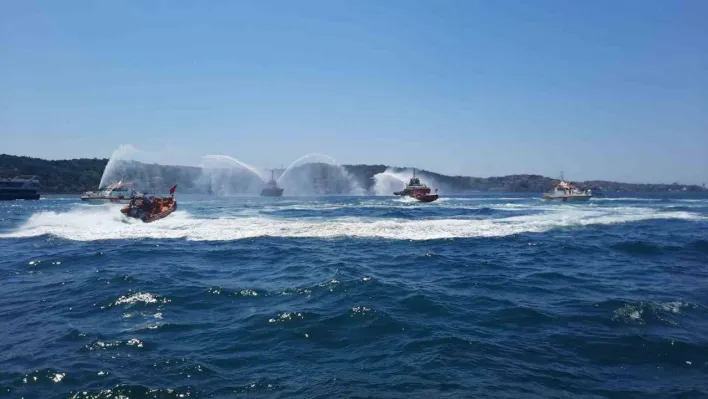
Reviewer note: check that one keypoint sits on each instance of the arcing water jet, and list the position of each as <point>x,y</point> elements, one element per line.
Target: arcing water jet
<point>149,171</point>
<point>318,174</point>
<point>231,161</point>
<point>113,170</point>
<point>313,157</point>
<point>225,175</point>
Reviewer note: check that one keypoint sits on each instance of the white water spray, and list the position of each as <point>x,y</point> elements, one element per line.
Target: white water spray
<point>317,174</point>
<point>85,223</point>
<point>386,183</point>
<point>313,157</point>
<point>225,175</point>
<point>148,171</point>
<point>113,170</point>
<point>231,161</point>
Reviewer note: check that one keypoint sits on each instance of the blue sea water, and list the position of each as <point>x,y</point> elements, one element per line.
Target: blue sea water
<point>487,296</point>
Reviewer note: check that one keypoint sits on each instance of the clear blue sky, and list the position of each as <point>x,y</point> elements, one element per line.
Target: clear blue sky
<point>598,89</point>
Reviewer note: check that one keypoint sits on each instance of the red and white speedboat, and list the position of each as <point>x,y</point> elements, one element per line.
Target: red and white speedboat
<point>117,193</point>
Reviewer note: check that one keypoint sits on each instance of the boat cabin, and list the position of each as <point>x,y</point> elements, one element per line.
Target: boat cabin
<point>26,182</point>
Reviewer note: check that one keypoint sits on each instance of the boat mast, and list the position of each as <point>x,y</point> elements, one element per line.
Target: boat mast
<point>272,176</point>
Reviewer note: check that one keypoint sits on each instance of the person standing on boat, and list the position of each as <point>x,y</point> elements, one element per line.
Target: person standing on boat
<point>147,202</point>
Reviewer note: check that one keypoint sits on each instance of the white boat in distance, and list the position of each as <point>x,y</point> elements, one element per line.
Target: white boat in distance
<point>565,191</point>
<point>117,193</point>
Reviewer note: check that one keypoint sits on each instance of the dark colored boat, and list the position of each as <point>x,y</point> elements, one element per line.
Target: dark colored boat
<point>271,189</point>
<point>415,189</point>
<point>19,188</point>
<point>152,208</point>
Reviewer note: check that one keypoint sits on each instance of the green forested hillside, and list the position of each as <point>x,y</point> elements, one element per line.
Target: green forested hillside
<point>65,176</point>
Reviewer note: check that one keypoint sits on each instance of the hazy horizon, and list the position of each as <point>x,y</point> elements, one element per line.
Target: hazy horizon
<point>601,91</point>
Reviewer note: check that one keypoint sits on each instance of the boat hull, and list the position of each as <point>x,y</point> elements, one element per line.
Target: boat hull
<point>567,198</point>
<point>272,192</point>
<point>425,197</point>
<point>411,192</point>
<point>105,200</point>
<point>12,195</point>
<point>157,216</point>
<point>148,217</point>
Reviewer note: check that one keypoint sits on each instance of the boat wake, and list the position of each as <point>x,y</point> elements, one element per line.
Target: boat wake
<point>106,223</point>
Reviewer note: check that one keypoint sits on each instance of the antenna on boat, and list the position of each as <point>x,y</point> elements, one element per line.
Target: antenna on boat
<point>272,174</point>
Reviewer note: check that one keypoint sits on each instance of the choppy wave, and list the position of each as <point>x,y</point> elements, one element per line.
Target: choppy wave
<point>135,391</point>
<point>91,310</point>
<point>478,199</point>
<point>102,223</point>
<point>653,312</point>
<point>625,199</point>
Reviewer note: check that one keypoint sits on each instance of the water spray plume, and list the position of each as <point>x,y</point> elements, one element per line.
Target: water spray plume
<point>318,174</point>
<point>231,161</point>
<point>312,157</point>
<point>385,183</point>
<point>312,174</point>
<point>225,175</point>
<point>112,171</point>
<point>148,171</point>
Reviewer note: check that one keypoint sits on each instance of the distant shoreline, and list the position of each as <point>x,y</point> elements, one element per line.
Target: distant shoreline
<point>76,176</point>
<point>529,194</point>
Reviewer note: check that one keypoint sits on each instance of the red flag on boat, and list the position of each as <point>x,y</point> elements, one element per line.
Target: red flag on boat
<point>172,190</point>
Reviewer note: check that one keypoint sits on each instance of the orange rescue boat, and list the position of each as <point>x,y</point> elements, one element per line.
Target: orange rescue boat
<point>149,209</point>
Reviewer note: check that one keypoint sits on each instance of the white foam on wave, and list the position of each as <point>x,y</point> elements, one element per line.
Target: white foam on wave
<point>144,297</point>
<point>626,199</point>
<point>104,223</point>
<point>477,199</point>
<point>506,207</point>
<point>406,200</point>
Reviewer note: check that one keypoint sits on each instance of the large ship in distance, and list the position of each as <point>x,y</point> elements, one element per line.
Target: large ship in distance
<point>271,188</point>
<point>566,191</point>
<point>20,187</point>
